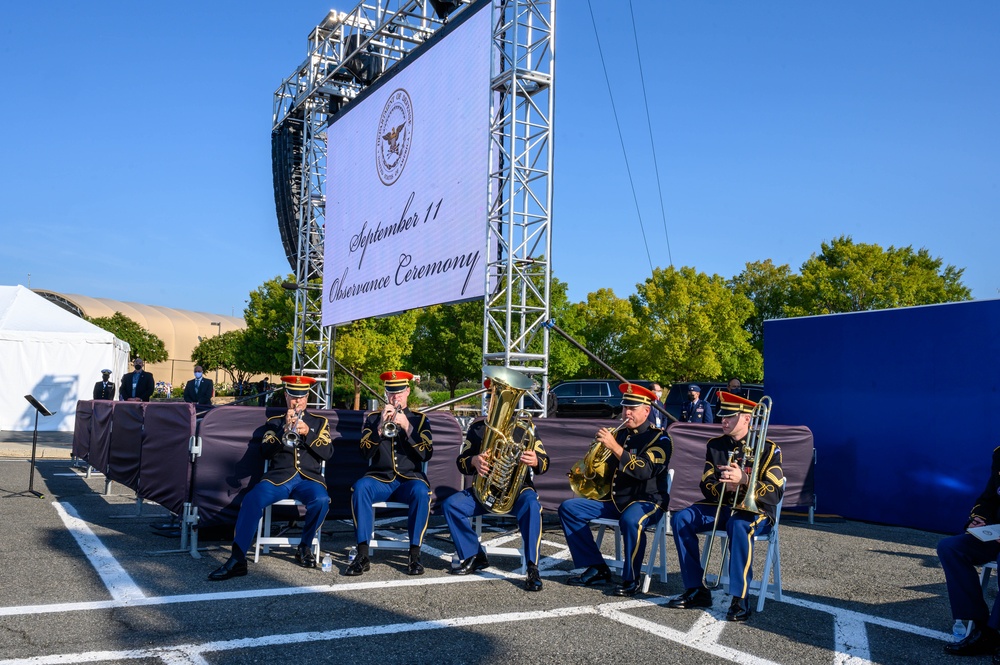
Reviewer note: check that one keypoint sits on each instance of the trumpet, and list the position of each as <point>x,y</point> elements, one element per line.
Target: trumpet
<point>291,437</point>
<point>389,427</point>
<point>590,478</point>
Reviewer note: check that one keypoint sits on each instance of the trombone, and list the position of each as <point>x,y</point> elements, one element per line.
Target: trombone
<point>752,451</point>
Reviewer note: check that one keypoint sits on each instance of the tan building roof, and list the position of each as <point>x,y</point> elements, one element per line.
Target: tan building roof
<point>178,328</point>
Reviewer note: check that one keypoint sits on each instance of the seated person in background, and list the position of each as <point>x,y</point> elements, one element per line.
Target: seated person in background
<point>295,472</point>
<point>459,507</point>
<point>696,410</point>
<point>726,477</point>
<point>959,557</point>
<point>397,454</point>
<point>639,458</point>
<point>735,387</point>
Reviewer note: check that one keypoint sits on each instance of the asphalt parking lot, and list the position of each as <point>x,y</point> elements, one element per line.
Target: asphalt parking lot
<point>87,578</point>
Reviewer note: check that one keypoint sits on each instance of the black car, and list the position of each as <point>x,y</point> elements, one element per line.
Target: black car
<point>678,395</point>
<point>594,398</point>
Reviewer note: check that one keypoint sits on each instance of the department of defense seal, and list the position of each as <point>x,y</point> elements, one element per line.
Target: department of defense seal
<point>395,133</point>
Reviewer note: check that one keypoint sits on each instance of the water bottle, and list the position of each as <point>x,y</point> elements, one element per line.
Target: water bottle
<point>327,564</point>
<point>958,629</point>
<point>352,555</point>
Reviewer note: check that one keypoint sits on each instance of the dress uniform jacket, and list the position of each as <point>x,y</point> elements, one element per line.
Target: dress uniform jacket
<point>988,504</point>
<point>696,412</point>
<point>641,474</point>
<point>771,483</point>
<point>473,445</point>
<point>306,458</point>
<point>400,456</point>
<point>104,390</point>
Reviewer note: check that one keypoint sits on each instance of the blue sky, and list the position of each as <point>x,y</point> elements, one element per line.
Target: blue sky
<point>136,152</point>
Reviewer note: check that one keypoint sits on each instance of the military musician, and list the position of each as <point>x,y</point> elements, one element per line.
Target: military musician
<point>296,443</point>
<point>461,506</point>
<point>725,474</point>
<point>959,557</point>
<point>397,442</point>
<point>638,497</point>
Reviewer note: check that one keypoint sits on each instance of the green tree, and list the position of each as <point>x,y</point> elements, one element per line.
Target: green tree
<point>266,345</point>
<point>604,323</point>
<point>371,346</point>
<point>448,342</point>
<point>221,352</point>
<point>769,288</point>
<point>144,344</point>
<point>690,326</point>
<point>855,277</point>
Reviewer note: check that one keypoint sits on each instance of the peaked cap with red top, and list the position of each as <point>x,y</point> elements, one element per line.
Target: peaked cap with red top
<point>732,405</point>
<point>395,381</point>
<point>635,395</point>
<point>297,386</point>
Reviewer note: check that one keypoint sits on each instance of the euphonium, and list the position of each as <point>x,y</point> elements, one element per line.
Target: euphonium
<point>498,489</point>
<point>590,478</point>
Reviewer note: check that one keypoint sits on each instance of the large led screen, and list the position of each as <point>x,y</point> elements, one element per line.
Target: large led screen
<point>406,188</point>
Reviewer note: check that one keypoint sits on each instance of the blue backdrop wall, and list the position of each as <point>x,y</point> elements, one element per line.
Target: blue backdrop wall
<point>902,405</point>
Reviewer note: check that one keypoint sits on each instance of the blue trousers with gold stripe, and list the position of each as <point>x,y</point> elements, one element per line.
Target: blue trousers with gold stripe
<point>459,507</point>
<point>415,493</point>
<point>740,526</point>
<point>312,494</point>
<point>575,515</point>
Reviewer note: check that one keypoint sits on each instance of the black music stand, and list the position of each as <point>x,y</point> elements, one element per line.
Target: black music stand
<point>39,409</point>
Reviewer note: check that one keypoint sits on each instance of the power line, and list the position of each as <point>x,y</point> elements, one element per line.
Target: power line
<point>621,139</point>
<point>649,125</point>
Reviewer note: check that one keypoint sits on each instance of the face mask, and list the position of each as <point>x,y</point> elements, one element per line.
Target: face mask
<point>197,375</point>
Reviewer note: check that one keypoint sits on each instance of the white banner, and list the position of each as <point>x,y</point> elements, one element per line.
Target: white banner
<point>406,188</point>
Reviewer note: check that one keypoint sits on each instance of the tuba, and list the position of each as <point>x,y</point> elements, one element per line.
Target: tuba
<point>590,478</point>
<point>509,432</point>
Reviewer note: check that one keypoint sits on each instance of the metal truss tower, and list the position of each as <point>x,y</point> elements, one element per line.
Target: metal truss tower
<point>519,248</point>
<point>347,52</point>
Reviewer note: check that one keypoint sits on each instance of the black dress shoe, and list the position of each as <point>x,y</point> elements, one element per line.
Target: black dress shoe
<point>414,568</point>
<point>233,567</point>
<point>304,557</point>
<point>360,565</point>
<point>627,589</point>
<point>691,598</point>
<point>591,577</point>
<point>739,610</point>
<point>978,642</point>
<point>533,581</point>
<point>472,564</point>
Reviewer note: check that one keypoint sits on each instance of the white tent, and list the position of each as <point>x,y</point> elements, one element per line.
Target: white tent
<point>53,355</point>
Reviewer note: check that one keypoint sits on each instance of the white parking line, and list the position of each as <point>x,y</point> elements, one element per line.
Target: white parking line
<point>118,582</point>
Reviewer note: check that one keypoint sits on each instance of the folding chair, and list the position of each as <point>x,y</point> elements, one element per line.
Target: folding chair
<point>265,541</point>
<point>658,546</point>
<point>497,550</point>
<point>389,543</point>
<point>772,560</point>
<point>984,581</point>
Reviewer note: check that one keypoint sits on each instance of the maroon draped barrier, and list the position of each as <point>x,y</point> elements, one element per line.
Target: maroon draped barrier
<point>567,441</point>
<point>82,428</point>
<point>165,461</point>
<point>100,435</point>
<point>231,462</point>
<point>125,447</point>
<point>688,461</point>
